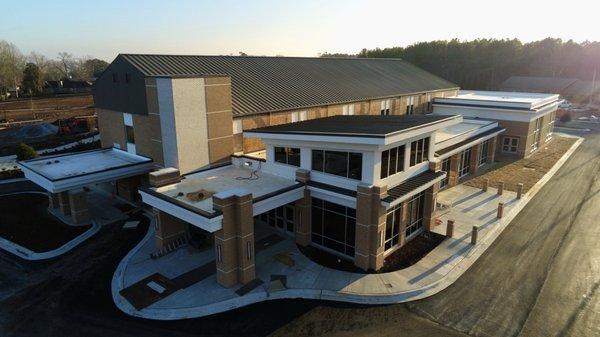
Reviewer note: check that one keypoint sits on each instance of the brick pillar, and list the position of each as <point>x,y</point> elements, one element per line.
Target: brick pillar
<point>302,209</point>
<point>53,202</point>
<point>234,243</point>
<point>370,226</point>
<point>429,206</point>
<point>403,223</point>
<point>169,228</point>
<point>453,174</point>
<point>79,206</point>
<point>473,161</point>
<point>127,188</point>
<point>63,202</point>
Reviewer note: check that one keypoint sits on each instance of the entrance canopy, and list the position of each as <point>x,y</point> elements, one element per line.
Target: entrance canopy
<point>75,170</point>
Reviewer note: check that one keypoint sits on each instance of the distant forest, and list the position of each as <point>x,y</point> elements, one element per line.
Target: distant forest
<point>486,63</point>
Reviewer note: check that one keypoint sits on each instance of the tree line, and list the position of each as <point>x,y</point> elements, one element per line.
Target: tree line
<point>29,72</point>
<point>485,63</point>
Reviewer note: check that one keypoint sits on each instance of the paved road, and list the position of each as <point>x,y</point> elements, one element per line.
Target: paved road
<point>540,278</point>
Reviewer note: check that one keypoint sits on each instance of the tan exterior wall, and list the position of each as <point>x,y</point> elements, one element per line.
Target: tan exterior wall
<point>111,127</point>
<point>518,130</point>
<point>148,142</point>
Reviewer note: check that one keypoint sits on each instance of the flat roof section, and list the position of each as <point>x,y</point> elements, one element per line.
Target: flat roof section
<point>467,126</point>
<point>355,126</point>
<point>500,99</point>
<point>73,170</point>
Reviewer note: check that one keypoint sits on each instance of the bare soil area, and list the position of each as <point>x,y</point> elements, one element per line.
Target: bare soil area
<point>527,171</point>
<point>25,220</point>
<point>47,109</point>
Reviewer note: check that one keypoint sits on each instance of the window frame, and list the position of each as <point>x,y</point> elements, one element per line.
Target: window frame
<point>288,151</point>
<point>323,162</point>
<point>507,148</point>
<point>410,105</point>
<point>129,134</point>
<point>386,157</point>
<point>419,151</point>
<point>349,215</point>
<point>414,218</point>
<point>482,155</point>
<point>385,107</point>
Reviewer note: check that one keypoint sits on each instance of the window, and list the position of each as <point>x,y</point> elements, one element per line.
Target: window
<point>237,126</point>
<point>410,105</point>
<point>536,134</point>
<point>127,77</point>
<point>333,226</point>
<point>344,164</point>
<point>445,168</point>
<point>392,161</point>
<point>419,151</point>
<point>303,115</point>
<point>348,109</point>
<point>483,153</point>
<point>295,116</point>
<point>129,136</point>
<point>510,144</point>
<point>463,163</point>
<point>415,215</point>
<point>385,107</point>
<point>287,155</point>
<point>392,227</point>
<point>115,78</point>
<point>551,126</point>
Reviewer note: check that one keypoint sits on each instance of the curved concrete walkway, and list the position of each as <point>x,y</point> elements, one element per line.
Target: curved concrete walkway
<point>306,279</point>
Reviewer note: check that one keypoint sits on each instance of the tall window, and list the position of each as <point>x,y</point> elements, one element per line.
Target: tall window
<point>551,126</point>
<point>445,168</point>
<point>392,161</point>
<point>344,164</point>
<point>510,144</point>
<point>419,151</point>
<point>415,215</point>
<point>392,227</point>
<point>287,155</point>
<point>463,163</point>
<point>483,153</point>
<point>333,226</point>
<point>129,134</point>
<point>410,105</point>
<point>385,107</point>
<point>536,135</point>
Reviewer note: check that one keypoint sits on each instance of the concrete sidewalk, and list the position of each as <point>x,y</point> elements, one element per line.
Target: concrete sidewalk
<point>306,279</point>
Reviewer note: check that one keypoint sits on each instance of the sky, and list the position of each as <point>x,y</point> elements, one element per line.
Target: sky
<point>105,28</point>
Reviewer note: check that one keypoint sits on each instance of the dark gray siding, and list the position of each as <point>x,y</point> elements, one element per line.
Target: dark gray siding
<point>121,96</point>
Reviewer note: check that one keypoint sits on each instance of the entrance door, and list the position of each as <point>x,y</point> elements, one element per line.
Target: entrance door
<point>280,218</point>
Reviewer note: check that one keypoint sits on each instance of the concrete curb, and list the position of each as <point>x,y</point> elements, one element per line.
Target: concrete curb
<point>461,264</point>
<point>30,255</point>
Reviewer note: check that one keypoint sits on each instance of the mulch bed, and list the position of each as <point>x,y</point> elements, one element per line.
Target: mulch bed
<point>412,252</point>
<point>527,171</point>
<point>25,220</point>
<point>329,260</point>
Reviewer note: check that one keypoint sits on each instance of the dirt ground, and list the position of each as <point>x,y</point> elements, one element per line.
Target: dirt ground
<point>47,109</point>
<point>24,220</point>
<point>527,171</point>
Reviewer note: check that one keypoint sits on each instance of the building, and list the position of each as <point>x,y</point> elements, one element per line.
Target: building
<point>359,187</point>
<point>527,117</point>
<point>346,155</point>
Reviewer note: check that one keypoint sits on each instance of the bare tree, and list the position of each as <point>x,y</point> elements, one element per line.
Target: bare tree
<point>11,66</point>
<point>67,63</point>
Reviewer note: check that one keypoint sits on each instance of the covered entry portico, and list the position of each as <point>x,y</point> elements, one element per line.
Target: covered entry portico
<point>64,176</point>
<point>223,201</point>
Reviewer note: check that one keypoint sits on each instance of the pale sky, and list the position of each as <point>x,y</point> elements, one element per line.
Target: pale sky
<point>104,28</point>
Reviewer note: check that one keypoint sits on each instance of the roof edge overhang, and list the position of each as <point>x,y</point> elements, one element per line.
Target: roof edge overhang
<point>440,176</point>
<point>469,143</point>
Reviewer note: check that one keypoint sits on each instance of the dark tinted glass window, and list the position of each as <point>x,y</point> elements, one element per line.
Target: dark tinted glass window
<point>385,157</point>
<point>400,159</point>
<point>393,160</point>
<point>294,156</point>
<point>317,160</point>
<point>129,134</point>
<point>355,166</point>
<point>280,155</point>
<point>336,163</point>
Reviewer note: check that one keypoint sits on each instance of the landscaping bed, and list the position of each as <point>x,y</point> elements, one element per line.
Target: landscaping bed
<point>528,170</point>
<point>412,252</point>
<point>25,220</point>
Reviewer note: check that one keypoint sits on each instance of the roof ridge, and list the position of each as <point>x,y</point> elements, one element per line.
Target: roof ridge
<point>268,56</point>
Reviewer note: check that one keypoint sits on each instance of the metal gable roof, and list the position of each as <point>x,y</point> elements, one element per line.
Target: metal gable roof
<point>266,84</point>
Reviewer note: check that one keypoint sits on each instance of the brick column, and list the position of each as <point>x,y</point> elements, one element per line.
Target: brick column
<point>453,174</point>
<point>79,206</point>
<point>473,161</point>
<point>127,188</point>
<point>234,243</point>
<point>169,228</point>
<point>63,202</point>
<point>403,223</point>
<point>53,202</point>
<point>429,206</point>
<point>370,226</point>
